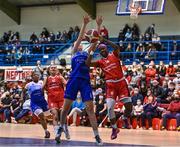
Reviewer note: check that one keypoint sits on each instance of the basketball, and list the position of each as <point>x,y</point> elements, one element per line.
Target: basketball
<point>92,36</point>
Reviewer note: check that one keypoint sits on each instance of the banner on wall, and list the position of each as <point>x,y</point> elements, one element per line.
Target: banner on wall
<point>16,75</point>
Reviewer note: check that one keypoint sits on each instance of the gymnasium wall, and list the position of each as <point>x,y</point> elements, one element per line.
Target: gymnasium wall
<point>35,18</point>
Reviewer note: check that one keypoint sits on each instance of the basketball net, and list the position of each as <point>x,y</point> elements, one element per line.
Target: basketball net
<point>134,11</point>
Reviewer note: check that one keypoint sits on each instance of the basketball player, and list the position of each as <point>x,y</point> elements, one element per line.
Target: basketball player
<point>54,84</point>
<point>38,102</point>
<point>80,81</point>
<point>116,86</point>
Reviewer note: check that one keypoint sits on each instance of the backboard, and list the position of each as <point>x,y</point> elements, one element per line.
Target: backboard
<point>148,6</point>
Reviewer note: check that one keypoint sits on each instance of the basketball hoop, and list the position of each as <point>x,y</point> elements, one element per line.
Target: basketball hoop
<point>134,11</point>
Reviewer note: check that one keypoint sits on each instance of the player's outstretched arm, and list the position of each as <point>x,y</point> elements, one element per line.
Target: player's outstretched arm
<point>93,47</point>
<point>86,20</point>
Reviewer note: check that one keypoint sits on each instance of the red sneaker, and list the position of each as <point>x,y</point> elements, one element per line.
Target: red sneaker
<point>114,133</point>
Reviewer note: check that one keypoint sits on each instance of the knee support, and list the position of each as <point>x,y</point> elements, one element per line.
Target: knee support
<point>110,108</point>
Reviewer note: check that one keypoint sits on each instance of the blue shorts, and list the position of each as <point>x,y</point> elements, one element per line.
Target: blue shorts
<point>78,84</point>
<point>40,105</point>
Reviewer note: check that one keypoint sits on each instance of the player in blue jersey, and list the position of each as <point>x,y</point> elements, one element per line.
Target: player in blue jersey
<point>38,102</point>
<point>80,81</point>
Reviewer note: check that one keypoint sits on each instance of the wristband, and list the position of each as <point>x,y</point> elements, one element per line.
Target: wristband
<point>91,53</point>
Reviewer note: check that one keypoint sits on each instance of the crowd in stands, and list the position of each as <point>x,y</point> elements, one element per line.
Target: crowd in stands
<point>145,46</point>
<point>154,90</point>
<point>16,51</point>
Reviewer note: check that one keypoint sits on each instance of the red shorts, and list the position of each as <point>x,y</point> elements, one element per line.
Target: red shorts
<point>117,90</point>
<point>53,104</point>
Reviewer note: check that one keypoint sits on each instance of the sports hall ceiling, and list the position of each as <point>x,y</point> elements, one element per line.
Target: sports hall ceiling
<point>13,7</point>
<point>30,3</point>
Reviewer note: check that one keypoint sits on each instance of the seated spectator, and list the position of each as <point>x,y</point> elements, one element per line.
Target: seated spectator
<point>150,30</point>
<point>137,111</point>
<point>76,109</point>
<point>33,38</point>
<point>128,35</point>
<point>176,80</point>
<point>173,111</point>
<point>161,68</point>
<point>121,36</point>
<point>136,96</point>
<point>150,73</point>
<point>135,32</point>
<point>149,112</point>
<point>76,32</point>
<point>5,107</point>
<point>100,109</point>
<point>143,86</point>
<point>24,111</point>
<point>168,94</point>
<point>157,91</point>
<point>70,33</point>
<point>156,42</point>
<point>140,51</point>
<point>178,67</point>
<point>129,51</point>
<point>58,37</point>
<point>171,69</point>
<point>16,105</point>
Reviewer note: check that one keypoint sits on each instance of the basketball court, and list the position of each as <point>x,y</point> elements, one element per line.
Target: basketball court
<point>32,135</point>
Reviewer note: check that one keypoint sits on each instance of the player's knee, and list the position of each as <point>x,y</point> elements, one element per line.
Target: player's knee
<point>128,109</point>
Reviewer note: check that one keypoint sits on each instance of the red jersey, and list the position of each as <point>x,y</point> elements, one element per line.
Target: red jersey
<point>55,88</point>
<point>111,67</point>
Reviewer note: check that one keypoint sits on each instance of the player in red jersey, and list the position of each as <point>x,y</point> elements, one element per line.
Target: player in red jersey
<point>116,86</point>
<point>54,85</point>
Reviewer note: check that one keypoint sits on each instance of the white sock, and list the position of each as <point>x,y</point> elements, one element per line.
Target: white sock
<point>114,126</point>
<point>96,132</point>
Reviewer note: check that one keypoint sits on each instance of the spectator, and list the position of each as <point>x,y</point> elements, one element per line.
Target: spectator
<point>76,109</point>
<point>100,109</point>
<point>150,73</point>
<point>161,69</point>
<point>173,111</point>
<point>149,112</point>
<point>171,69</point>
<point>126,28</point>
<point>24,110</point>
<point>137,111</point>
<point>121,36</point>
<point>33,38</point>
<point>143,86</point>
<point>70,33</point>
<point>128,35</point>
<point>157,91</point>
<point>135,32</point>
<point>136,96</point>
<point>58,37</point>
<point>150,30</point>
<point>6,104</point>
<point>76,32</point>
<point>156,42</point>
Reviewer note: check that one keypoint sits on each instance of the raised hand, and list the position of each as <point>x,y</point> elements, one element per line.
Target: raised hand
<point>99,20</point>
<point>86,19</point>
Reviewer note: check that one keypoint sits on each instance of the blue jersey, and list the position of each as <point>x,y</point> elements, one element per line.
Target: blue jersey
<point>78,65</point>
<point>35,92</point>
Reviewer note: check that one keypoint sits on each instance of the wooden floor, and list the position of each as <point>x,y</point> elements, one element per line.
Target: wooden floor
<point>32,135</point>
